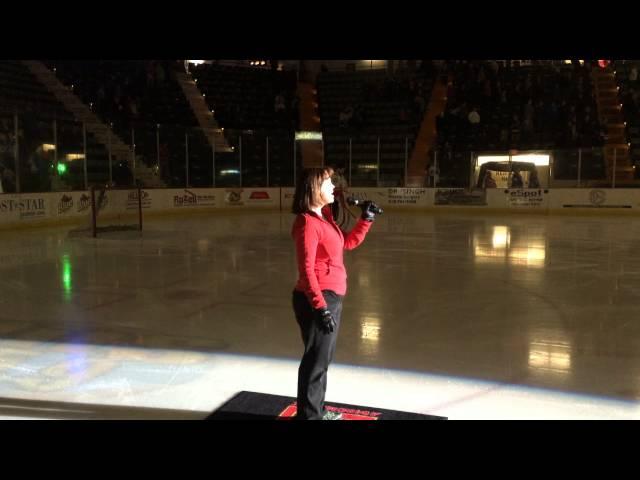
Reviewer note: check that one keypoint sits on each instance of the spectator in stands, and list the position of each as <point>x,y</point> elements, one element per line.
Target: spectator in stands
<point>515,128</point>
<point>474,117</point>
<point>635,98</point>
<point>489,181</point>
<point>295,102</point>
<point>342,119</point>
<point>447,153</point>
<point>412,89</point>
<point>538,116</point>
<point>451,93</point>
<point>345,116</point>
<point>527,124</point>
<point>160,74</point>
<point>419,104</point>
<point>279,103</point>
<point>100,98</point>
<point>428,67</point>
<point>120,112</point>
<point>534,182</point>
<point>633,75</point>
<point>441,124</point>
<point>133,109</point>
<point>433,174</point>
<point>573,131</point>
<point>487,92</point>
<point>516,179</point>
<point>553,113</point>
<point>474,123</point>
<point>4,125</point>
<point>481,75</point>
<point>151,73</point>
<point>4,188</point>
<point>358,117</point>
<point>504,136</point>
<point>404,116</point>
<point>5,146</point>
<point>602,132</point>
<point>460,111</point>
<point>8,179</point>
<point>164,160</point>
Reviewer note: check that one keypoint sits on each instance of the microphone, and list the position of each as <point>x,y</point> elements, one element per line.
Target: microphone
<point>362,203</point>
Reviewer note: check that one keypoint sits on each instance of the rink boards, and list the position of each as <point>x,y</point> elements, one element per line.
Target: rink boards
<point>61,207</point>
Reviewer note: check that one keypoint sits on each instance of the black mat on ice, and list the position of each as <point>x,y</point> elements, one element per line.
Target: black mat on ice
<point>263,406</point>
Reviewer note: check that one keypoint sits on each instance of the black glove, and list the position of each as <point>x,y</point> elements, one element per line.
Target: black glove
<point>369,210</point>
<point>325,320</point>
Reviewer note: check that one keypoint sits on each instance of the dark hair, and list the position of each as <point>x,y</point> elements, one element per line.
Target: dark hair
<point>308,188</point>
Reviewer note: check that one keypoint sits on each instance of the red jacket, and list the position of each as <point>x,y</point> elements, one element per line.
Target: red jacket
<point>319,247</point>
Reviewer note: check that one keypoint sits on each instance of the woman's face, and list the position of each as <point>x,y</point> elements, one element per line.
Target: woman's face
<point>326,191</point>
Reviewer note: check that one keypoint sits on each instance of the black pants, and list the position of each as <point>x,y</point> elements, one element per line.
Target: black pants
<point>319,348</point>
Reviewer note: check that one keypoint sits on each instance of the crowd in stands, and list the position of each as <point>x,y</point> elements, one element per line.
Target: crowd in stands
<point>7,164</point>
<point>408,90</point>
<point>128,92</point>
<point>629,85</point>
<point>248,98</point>
<point>492,105</point>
